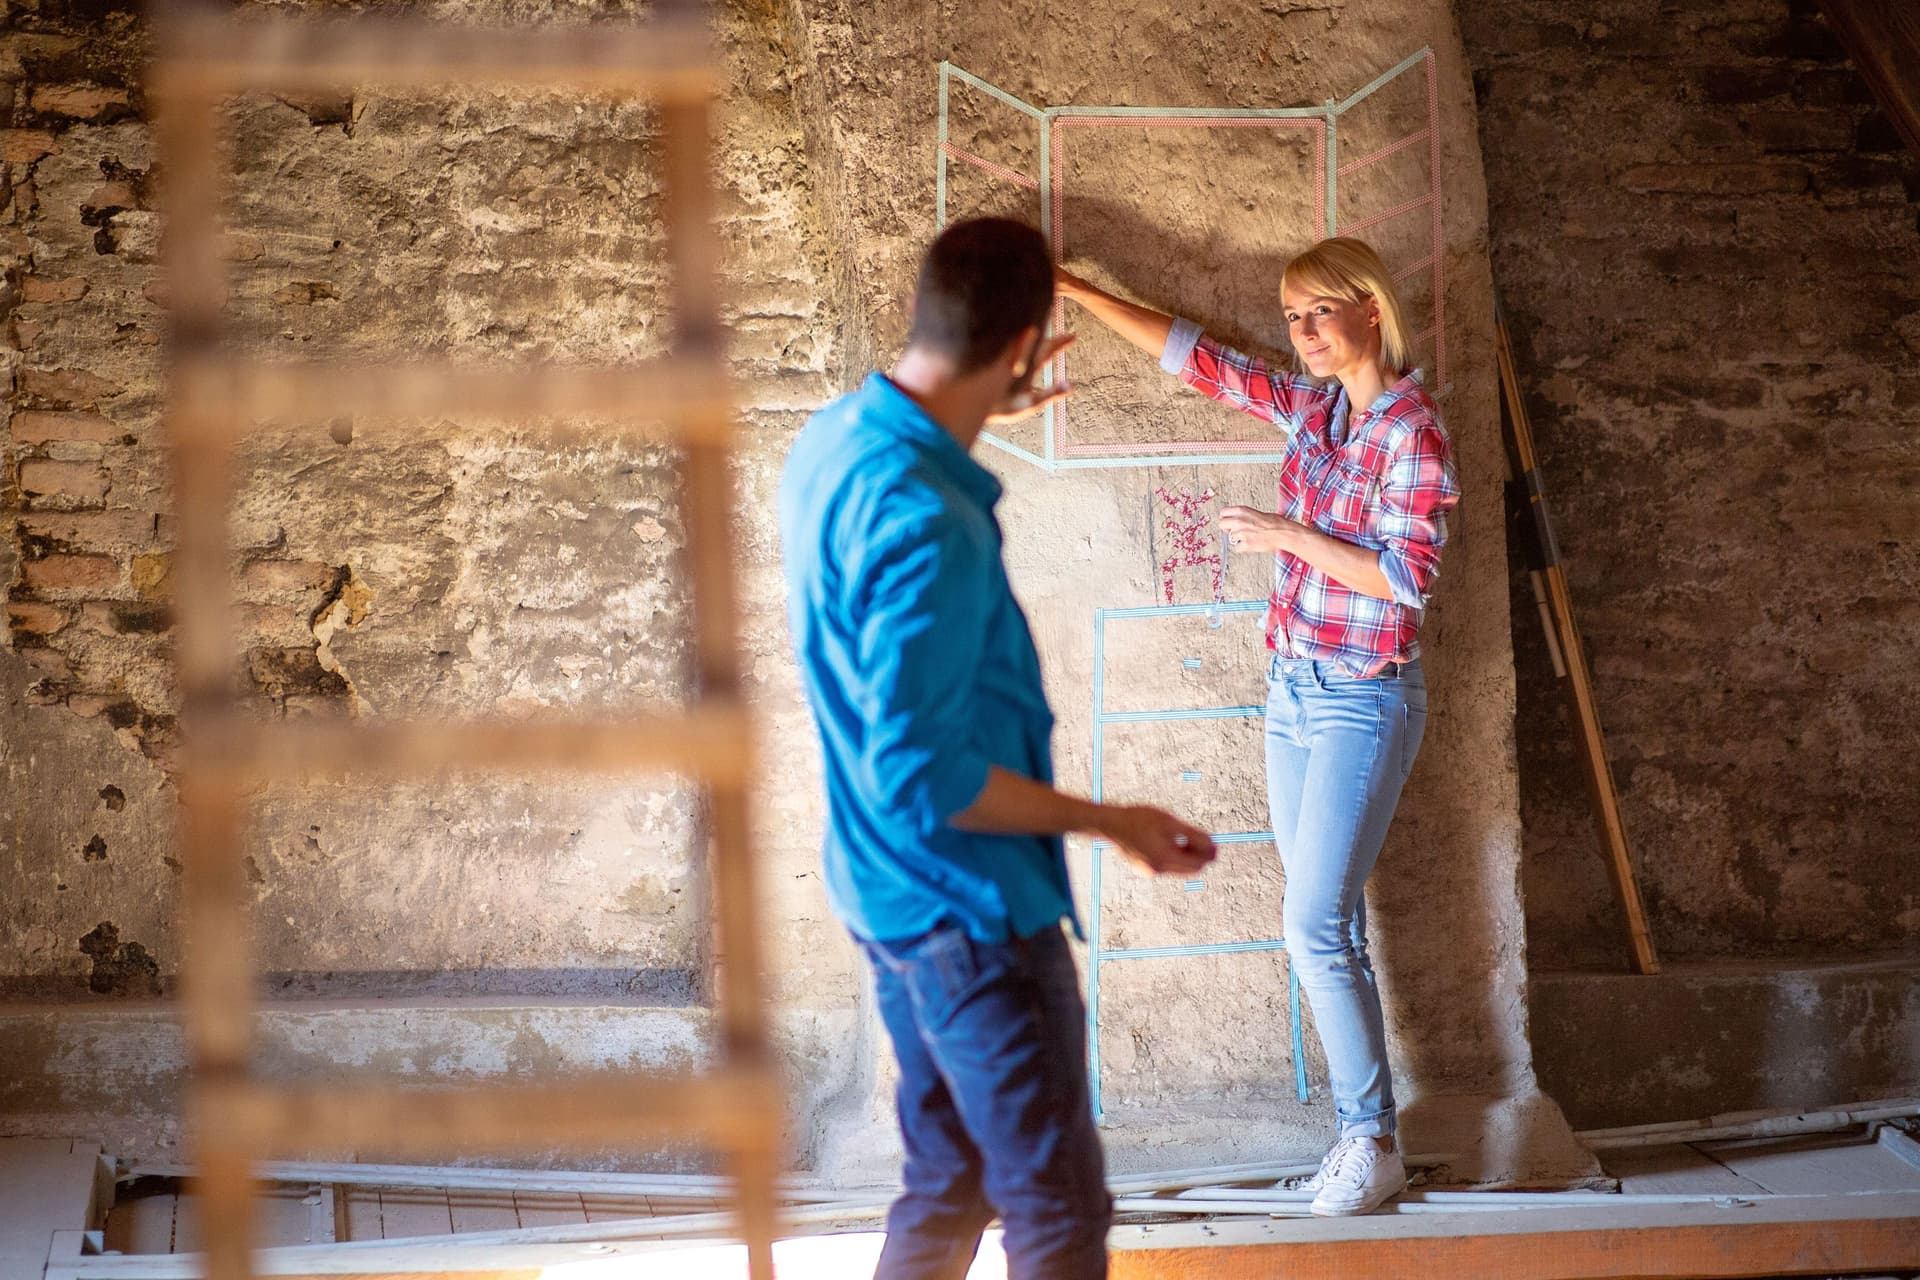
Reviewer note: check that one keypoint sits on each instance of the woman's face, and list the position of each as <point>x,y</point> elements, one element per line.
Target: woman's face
<point>1333,335</point>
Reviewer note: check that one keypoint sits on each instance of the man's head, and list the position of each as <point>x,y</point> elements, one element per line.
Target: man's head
<point>985,284</point>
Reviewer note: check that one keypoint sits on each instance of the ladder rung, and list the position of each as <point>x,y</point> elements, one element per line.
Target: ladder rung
<point>711,743</point>
<point>739,1107</point>
<point>669,61</point>
<point>677,398</point>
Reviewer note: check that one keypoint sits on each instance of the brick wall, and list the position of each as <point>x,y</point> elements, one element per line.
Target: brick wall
<point>1704,237</point>
<point>385,569</point>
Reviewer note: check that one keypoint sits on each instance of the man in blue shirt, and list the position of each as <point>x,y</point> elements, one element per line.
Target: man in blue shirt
<point>943,850</point>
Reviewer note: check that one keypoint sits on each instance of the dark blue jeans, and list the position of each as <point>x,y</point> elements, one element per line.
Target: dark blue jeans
<point>994,1108</point>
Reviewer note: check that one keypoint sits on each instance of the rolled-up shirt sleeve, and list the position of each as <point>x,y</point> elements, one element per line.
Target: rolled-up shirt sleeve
<point>1246,382</point>
<point>1419,488</point>
<point>921,634</point>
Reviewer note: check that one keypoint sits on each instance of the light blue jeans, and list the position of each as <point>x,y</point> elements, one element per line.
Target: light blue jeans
<point>1338,751</point>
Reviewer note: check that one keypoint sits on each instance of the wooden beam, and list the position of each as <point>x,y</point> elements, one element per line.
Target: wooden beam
<point>1816,1236</point>
<point>210,52</point>
<point>1882,37</point>
<point>734,1108</point>
<point>1586,710</point>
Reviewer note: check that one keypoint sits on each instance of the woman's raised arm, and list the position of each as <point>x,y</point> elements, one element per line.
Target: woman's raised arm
<point>1144,327</point>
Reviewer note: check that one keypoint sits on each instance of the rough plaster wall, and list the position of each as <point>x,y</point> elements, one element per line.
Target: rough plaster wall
<point>1705,239</point>
<point>386,570</point>
<point>1201,1045</point>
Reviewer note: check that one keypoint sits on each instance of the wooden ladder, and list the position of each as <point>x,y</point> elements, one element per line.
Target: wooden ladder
<point>234,1118</point>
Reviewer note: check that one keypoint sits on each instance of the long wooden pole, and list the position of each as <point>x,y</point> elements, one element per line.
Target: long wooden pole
<point>1564,634</point>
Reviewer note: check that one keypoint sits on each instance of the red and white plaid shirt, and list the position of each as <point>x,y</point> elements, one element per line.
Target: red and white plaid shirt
<point>1385,481</point>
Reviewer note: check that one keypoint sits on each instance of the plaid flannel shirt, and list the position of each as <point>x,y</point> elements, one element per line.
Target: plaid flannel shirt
<point>1387,486</point>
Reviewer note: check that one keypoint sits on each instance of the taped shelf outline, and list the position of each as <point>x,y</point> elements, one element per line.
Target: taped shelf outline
<point>1058,451</point>
<point>1097,952</point>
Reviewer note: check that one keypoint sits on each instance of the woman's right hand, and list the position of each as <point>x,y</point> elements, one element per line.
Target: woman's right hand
<point>1068,285</point>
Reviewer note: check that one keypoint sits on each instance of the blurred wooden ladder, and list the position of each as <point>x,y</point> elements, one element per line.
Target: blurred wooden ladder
<point>234,1118</point>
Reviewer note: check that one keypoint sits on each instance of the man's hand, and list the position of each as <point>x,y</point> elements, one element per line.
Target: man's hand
<point>1154,841</point>
<point>1068,285</point>
<point>1023,397</point>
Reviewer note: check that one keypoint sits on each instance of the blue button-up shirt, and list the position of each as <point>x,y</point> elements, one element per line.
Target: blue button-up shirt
<point>921,672</point>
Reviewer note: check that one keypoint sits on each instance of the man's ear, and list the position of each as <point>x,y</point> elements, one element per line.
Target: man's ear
<point>1020,349</point>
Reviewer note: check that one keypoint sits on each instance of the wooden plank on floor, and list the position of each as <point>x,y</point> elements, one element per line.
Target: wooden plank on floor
<point>359,1211</point>
<point>1676,1170</point>
<point>482,1211</point>
<point>281,1216</point>
<point>1812,1236</point>
<point>141,1220</point>
<point>1816,1164</point>
<point>613,1208</point>
<point>406,1212</point>
<point>549,1208</point>
<point>46,1185</point>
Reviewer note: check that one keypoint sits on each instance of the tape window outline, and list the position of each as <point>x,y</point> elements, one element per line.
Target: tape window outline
<point>1057,452</point>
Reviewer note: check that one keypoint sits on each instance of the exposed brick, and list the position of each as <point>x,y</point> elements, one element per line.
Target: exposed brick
<point>50,663</point>
<point>92,528</point>
<point>82,480</point>
<point>72,388</point>
<point>149,573</point>
<point>42,289</point>
<point>276,577</point>
<point>114,618</point>
<point>72,573</point>
<point>1802,130</point>
<point>108,195</point>
<point>39,619</point>
<point>1742,84</point>
<point>1734,179</point>
<point>78,101</point>
<point>273,625</point>
<point>24,146</point>
<point>35,427</point>
<point>302,293</point>
<point>282,672</point>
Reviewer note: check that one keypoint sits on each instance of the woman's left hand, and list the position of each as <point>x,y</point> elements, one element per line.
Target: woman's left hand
<point>1253,530</point>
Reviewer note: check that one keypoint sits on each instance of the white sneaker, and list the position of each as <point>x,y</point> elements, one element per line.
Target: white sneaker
<point>1357,1177</point>
<point>1319,1178</point>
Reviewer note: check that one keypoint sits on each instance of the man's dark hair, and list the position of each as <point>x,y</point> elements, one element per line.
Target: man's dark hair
<point>981,283</point>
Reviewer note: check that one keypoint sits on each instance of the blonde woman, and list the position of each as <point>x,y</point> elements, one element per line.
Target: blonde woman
<point>1363,492</point>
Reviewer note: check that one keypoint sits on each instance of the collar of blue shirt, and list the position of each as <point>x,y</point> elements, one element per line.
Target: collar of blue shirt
<point>903,414</point>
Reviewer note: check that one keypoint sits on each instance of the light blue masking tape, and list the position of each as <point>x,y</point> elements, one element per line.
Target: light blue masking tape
<point>1330,113</point>
<point>1096,913</point>
<point>1181,713</point>
<point>1191,664</point>
<point>1178,610</point>
<point>1193,949</point>
<point>1189,775</point>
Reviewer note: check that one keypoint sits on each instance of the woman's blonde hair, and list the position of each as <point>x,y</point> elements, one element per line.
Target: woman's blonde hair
<point>1347,268</point>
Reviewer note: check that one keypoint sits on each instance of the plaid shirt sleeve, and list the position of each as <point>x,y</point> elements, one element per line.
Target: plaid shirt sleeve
<point>1419,487</point>
<point>1236,378</point>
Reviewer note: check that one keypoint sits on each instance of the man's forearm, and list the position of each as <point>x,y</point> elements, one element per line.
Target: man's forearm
<point>1012,805</point>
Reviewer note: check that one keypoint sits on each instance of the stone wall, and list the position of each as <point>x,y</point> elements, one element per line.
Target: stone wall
<point>389,571</point>
<point>1704,237</point>
<point>1196,1048</point>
